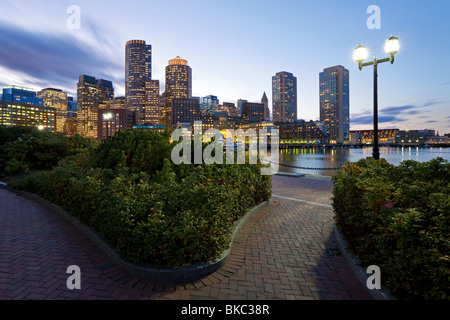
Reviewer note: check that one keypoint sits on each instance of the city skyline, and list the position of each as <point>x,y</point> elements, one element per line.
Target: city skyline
<point>413,92</point>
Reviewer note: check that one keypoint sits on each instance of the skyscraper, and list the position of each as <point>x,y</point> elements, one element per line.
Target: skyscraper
<point>335,103</point>
<point>92,95</point>
<point>265,102</point>
<point>178,84</point>
<point>138,69</point>
<point>152,110</point>
<point>284,97</point>
<point>56,98</point>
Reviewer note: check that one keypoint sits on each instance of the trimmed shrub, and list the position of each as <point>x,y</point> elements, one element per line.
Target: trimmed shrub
<point>398,217</point>
<point>150,210</point>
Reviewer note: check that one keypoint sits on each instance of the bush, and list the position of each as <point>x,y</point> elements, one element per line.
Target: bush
<point>150,210</point>
<point>36,150</point>
<point>397,217</point>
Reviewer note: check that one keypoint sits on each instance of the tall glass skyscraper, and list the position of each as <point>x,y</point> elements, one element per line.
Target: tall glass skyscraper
<point>335,103</point>
<point>284,97</point>
<point>138,70</point>
<point>178,84</point>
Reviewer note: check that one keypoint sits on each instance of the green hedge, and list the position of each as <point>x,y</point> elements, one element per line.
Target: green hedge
<point>150,210</point>
<point>26,149</point>
<point>398,217</point>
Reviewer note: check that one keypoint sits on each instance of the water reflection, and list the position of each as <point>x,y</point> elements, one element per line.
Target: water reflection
<point>333,158</point>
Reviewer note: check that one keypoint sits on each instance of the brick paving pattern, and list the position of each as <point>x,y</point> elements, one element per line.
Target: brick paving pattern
<point>286,251</point>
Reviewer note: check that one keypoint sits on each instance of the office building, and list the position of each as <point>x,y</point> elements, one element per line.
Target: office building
<point>138,70</point>
<point>335,103</point>
<point>240,104</point>
<point>23,95</point>
<point>301,133</point>
<point>185,110</point>
<point>27,115</point>
<point>56,98</point>
<point>231,109</point>
<point>284,97</point>
<point>152,110</point>
<point>209,105</point>
<point>92,95</point>
<point>112,120</point>
<point>252,112</point>
<point>178,84</point>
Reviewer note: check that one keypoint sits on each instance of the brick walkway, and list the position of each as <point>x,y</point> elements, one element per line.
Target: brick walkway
<point>286,251</point>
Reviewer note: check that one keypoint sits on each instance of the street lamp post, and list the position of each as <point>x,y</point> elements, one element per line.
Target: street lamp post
<point>391,47</point>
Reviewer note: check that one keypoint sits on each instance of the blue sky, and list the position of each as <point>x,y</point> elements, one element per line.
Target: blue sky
<point>235,47</point>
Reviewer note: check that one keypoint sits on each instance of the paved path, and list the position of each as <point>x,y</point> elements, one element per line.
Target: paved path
<point>283,252</point>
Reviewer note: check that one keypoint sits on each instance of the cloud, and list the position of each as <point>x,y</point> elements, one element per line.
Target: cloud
<point>52,59</point>
<point>431,121</point>
<point>381,119</point>
<point>397,109</point>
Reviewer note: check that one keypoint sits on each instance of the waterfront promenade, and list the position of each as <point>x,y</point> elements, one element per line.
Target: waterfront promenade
<point>285,251</point>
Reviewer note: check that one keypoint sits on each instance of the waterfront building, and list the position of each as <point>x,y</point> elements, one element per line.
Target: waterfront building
<point>92,96</point>
<point>335,103</point>
<point>301,133</point>
<point>56,98</point>
<point>252,112</point>
<point>138,70</point>
<point>178,84</point>
<point>385,136</point>
<point>284,97</point>
<point>410,137</point>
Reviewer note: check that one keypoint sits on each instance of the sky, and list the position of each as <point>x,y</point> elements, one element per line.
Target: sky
<point>234,48</point>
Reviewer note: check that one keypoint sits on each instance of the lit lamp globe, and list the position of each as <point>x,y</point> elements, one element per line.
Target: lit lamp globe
<point>41,127</point>
<point>107,116</point>
<point>360,54</point>
<point>391,47</point>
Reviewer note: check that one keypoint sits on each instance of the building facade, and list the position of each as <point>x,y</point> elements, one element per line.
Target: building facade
<point>23,95</point>
<point>209,105</point>
<point>138,70</point>
<point>252,112</point>
<point>27,115</point>
<point>92,95</point>
<point>152,110</point>
<point>301,133</point>
<point>334,90</point>
<point>112,120</point>
<point>284,97</point>
<point>185,110</point>
<point>56,98</point>
<point>178,84</point>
